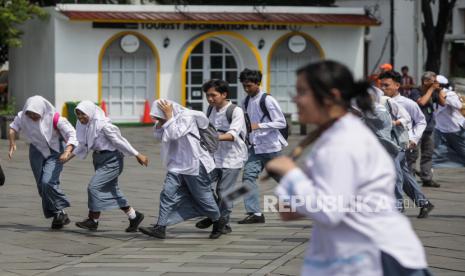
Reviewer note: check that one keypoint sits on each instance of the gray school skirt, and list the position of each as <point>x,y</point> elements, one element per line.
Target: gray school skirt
<point>103,190</point>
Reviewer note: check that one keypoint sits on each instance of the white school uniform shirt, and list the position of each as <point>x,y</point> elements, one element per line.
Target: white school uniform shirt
<point>267,138</point>
<point>99,134</point>
<point>181,152</point>
<point>230,154</point>
<point>418,122</point>
<point>448,117</point>
<point>348,161</point>
<point>42,133</point>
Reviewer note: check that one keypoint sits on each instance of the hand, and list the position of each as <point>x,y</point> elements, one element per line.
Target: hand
<point>411,144</point>
<point>167,109</point>
<point>280,165</point>
<point>12,149</point>
<point>65,156</point>
<point>142,159</point>
<point>254,126</point>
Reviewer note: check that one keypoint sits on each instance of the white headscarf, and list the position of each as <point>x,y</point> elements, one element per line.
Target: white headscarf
<point>155,111</point>
<point>39,133</point>
<point>87,133</point>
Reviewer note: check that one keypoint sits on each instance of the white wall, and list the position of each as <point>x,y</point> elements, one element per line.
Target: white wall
<point>78,46</point>
<point>32,66</point>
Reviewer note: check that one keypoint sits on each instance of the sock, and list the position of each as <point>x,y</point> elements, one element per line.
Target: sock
<point>258,214</point>
<point>131,213</point>
<point>95,220</point>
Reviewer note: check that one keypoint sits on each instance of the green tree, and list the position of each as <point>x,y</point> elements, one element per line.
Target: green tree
<point>12,14</point>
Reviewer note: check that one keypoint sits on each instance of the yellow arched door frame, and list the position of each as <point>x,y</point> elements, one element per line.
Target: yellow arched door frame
<point>143,38</point>
<point>278,42</point>
<point>203,37</point>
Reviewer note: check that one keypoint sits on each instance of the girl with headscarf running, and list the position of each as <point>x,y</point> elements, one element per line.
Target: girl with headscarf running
<point>96,132</point>
<point>187,189</point>
<point>45,130</point>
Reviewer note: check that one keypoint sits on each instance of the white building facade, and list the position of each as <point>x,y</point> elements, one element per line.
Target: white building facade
<point>127,55</point>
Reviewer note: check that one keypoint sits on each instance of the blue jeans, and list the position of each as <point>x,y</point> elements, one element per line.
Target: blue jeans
<point>187,196</point>
<point>252,169</point>
<point>225,181</point>
<point>47,175</point>
<point>406,181</point>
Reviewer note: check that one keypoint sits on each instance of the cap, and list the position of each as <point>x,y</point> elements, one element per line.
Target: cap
<point>441,79</point>
<point>386,66</point>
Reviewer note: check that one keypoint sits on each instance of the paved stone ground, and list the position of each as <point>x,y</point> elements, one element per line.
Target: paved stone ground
<point>29,247</point>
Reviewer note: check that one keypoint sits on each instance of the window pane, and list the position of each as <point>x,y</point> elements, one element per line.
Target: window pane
<point>217,75</point>
<point>196,78</point>
<point>196,62</point>
<point>141,93</point>
<point>116,93</point>
<point>128,63</point>
<point>141,78</point>
<point>128,109</point>
<point>195,106</point>
<point>128,93</point>
<point>216,62</point>
<point>232,93</point>
<point>230,62</point>
<point>128,78</point>
<point>115,109</point>
<point>198,48</point>
<point>216,48</point>
<point>141,62</point>
<point>115,78</point>
<point>231,77</point>
<point>196,93</point>
<point>115,62</point>
<point>105,63</point>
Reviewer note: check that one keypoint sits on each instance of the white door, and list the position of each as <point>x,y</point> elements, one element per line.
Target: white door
<point>211,59</point>
<point>284,64</point>
<point>128,80</point>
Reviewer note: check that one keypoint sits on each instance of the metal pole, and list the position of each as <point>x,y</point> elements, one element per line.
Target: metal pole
<point>392,33</point>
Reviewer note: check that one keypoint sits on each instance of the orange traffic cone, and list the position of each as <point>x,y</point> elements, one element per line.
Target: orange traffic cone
<point>146,119</point>
<point>103,105</point>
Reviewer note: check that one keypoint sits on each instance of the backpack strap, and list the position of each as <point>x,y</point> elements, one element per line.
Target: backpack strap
<point>246,103</point>
<point>209,111</point>
<point>263,107</point>
<point>229,112</point>
<point>56,118</point>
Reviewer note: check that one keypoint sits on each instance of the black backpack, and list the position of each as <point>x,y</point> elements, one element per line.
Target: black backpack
<point>229,114</point>
<point>284,131</point>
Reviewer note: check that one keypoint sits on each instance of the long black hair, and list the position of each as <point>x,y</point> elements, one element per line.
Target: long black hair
<point>323,76</point>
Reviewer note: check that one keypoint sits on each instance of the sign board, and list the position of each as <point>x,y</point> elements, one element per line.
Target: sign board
<point>297,44</point>
<point>129,43</point>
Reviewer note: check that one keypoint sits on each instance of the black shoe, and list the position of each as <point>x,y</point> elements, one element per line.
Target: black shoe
<point>252,219</point>
<point>134,223</point>
<point>203,224</point>
<point>88,224</point>
<point>157,231</point>
<point>60,220</point>
<point>218,228</point>
<point>431,183</point>
<point>227,229</point>
<point>425,210</point>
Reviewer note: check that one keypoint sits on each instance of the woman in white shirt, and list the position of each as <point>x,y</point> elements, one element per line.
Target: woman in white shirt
<point>96,132</point>
<point>187,190</point>
<point>45,130</point>
<point>347,184</point>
